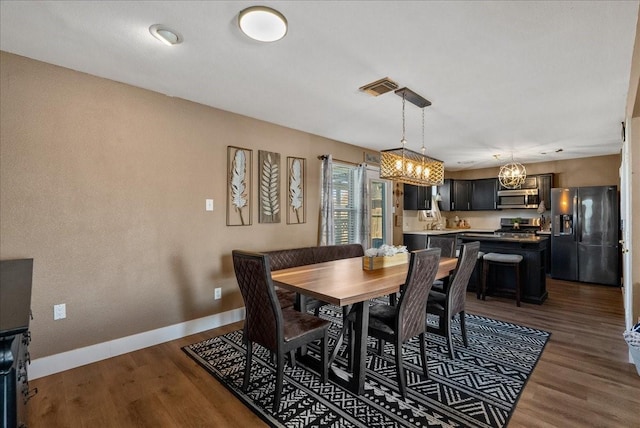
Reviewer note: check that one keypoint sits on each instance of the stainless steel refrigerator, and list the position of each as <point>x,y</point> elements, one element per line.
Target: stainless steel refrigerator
<point>584,234</point>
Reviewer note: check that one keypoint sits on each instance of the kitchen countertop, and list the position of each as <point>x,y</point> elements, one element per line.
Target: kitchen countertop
<point>543,232</point>
<point>446,231</point>
<point>484,237</point>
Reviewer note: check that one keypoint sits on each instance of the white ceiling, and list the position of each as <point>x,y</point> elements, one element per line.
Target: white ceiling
<point>505,78</point>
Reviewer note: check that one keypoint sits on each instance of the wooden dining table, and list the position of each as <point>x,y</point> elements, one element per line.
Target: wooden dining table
<point>344,282</point>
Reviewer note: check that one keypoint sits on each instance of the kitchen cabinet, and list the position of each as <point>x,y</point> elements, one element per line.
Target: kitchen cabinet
<point>533,272</point>
<point>446,194</point>
<point>414,241</point>
<point>417,197</point>
<point>461,195</point>
<point>455,195</point>
<point>484,194</point>
<point>545,183</point>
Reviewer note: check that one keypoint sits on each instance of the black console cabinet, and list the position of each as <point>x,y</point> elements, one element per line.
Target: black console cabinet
<point>15,312</point>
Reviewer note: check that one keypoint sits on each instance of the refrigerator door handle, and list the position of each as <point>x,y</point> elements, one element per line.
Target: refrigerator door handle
<point>577,236</point>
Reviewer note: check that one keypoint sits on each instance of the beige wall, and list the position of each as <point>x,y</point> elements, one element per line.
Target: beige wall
<point>591,171</point>
<point>104,186</point>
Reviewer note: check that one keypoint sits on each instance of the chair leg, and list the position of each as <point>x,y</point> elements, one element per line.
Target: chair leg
<point>423,354</point>
<point>247,369</point>
<point>463,329</point>
<point>447,326</point>
<point>485,273</point>
<point>324,358</point>
<point>352,346</point>
<point>402,382</point>
<point>380,347</point>
<point>518,285</point>
<point>292,358</point>
<point>279,381</point>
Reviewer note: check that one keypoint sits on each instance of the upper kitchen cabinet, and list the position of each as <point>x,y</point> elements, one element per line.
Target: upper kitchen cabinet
<point>484,194</point>
<point>545,183</point>
<point>455,195</point>
<point>417,197</point>
<point>446,195</point>
<point>461,195</point>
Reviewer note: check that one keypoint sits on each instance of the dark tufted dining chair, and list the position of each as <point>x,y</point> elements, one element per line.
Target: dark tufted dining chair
<point>397,324</point>
<point>452,302</point>
<point>266,323</point>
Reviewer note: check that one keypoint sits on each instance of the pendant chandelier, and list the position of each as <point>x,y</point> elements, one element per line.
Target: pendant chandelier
<point>512,175</point>
<point>406,166</point>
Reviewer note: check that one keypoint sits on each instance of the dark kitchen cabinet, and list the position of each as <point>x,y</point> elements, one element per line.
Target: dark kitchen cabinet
<point>414,241</point>
<point>446,195</point>
<point>455,195</point>
<point>417,197</point>
<point>545,183</point>
<point>484,194</point>
<point>461,195</point>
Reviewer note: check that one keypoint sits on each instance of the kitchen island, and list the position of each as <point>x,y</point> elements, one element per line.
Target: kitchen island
<point>532,248</point>
<point>417,239</point>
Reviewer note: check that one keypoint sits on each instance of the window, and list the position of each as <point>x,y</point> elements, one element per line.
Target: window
<point>344,209</point>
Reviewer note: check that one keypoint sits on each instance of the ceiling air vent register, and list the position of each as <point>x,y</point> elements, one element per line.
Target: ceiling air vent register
<point>379,87</point>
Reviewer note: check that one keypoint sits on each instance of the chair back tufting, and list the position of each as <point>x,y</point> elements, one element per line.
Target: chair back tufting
<point>336,252</point>
<point>263,318</point>
<point>423,267</point>
<point>457,291</point>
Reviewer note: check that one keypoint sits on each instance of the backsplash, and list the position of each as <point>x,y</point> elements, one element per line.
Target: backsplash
<point>476,219</point>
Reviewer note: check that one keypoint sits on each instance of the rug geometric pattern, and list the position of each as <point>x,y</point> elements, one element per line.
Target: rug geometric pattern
<point>479,388</point>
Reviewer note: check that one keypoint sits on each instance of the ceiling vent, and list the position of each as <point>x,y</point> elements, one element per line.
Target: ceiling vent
<point>379,87</point>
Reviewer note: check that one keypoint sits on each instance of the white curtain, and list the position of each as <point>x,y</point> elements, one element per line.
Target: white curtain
<point>326,234</point>
<point>360,199</point>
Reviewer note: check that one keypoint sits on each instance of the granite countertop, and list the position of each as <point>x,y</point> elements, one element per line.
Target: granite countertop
<point>484,237</point>
<point>446,231</point>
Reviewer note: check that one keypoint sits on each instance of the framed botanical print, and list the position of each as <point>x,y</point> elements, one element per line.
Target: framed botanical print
<point>269,187</point>
<point>239,163</point>
<point>296,173</point>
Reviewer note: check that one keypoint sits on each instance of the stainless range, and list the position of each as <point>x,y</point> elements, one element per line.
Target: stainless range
<point>518,227</point>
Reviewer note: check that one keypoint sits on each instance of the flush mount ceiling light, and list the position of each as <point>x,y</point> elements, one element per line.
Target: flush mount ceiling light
<point>165,34</point>
<point>407,166</point>
<point>262,23</point>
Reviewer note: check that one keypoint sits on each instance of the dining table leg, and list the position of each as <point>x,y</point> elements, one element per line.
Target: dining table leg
<point>360,357</point>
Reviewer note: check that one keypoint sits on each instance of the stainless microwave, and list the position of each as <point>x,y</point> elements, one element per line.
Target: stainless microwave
<point>518,198</point>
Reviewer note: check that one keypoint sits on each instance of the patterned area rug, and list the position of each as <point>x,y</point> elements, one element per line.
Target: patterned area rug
<point>479,388</point>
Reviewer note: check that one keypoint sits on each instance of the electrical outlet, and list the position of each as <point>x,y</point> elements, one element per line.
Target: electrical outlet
<point>209,204</point>
<point>60,311</point>
<point>217,293</point>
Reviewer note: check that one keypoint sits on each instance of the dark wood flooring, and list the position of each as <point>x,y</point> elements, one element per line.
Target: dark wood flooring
<point>582,380</point>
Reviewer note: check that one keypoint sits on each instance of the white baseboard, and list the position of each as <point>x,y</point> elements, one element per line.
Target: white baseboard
<point>79,357</point>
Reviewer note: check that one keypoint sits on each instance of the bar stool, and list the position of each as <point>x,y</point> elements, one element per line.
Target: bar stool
<point>506,260</point>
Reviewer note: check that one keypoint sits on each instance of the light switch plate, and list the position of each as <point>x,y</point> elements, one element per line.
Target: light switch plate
<point>209,205</point>
<point>59,311</point>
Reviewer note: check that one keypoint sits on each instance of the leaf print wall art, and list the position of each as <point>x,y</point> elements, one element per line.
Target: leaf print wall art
<point>239,162</point>
<point>296,170</point>
<point>269,185</point>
